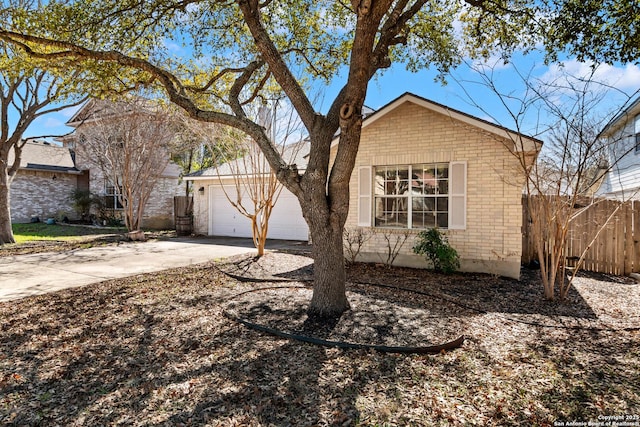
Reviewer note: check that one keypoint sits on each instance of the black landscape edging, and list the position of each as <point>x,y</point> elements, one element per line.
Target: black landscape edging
<point>433,349</point>
<point>459,304</point>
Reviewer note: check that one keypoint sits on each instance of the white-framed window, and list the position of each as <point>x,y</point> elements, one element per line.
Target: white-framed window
<point>416,196</point>
<point>636,133</point>
<point>111,196</point>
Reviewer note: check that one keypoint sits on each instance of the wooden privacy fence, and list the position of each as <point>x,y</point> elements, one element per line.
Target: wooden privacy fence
<point>616,250</point>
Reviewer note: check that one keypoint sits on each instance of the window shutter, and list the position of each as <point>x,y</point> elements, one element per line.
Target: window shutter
<point>364,196</point>
<point>458,196</point>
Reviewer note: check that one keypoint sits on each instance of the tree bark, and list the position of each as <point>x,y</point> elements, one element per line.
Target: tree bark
<point>329,275</point>
<point>6,232</point>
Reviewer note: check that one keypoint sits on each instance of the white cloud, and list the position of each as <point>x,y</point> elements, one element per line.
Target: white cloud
<point>52,123</point>
<point>622,78</point>
<point>69,112</point>
<point>171,45</point>
<point>488,118</point>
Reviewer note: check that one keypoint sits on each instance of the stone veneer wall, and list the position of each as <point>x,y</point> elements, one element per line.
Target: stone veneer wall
<point>158,213</point>
<point>35,193</point>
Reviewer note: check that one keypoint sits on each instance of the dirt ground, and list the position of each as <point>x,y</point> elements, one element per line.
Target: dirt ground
<point>161,349</point>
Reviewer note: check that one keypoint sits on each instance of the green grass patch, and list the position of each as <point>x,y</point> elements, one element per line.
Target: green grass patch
<point>42,231</point>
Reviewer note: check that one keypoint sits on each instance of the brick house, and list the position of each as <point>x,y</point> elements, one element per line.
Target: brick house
<point>42,186</point>
<point>49,173</point>
<point>466,179</point>
<point>420,165</point>
<point>158,212</point>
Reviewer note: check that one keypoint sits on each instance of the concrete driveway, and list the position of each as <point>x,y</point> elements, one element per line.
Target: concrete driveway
<point>26,275</point>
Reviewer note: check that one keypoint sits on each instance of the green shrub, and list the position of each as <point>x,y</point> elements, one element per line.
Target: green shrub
<point>82,201</point>
<point>435,246</point>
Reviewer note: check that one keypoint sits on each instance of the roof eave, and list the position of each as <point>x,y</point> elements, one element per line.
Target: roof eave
<point>532,144</point>
<point>223,177</point>
<point>620,120</point>
<point>65,171</point>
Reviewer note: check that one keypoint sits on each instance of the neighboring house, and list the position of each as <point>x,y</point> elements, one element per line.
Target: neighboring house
<point>420,165</point>
<point>159,209</point>
<point>43,185</point>
<point>622,180</point>
<point>215,216</point>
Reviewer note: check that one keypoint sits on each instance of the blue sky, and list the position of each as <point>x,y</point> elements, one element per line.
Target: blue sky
<point>396,81</point>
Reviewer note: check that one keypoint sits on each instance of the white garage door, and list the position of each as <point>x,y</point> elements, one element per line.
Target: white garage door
<point>286,221</point>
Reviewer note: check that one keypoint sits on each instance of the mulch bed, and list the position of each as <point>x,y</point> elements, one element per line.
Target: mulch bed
<point>157,349</point>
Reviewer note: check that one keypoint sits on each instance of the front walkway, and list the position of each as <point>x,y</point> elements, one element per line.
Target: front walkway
<point>25,275</point>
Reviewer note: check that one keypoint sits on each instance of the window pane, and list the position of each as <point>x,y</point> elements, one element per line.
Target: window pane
<point>426,176</point>
<point>417,204</point>
<point>443,171</point>
<point>443,186</point>
<point>442,204</point>
<point>392,180</point>
<point>443,220</point>
<point>417,183</point>
<point>391,212</point>
<point>423,219</point>
<point>423,204</point>
<point>426,188</point>
<point>401,181</point>
<point>380,180</point>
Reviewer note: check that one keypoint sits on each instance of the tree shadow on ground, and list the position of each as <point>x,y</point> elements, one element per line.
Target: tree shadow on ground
<point>110,355</point>
<point>601,365</point>
<point>475,291</point>
<point>460,294</point>
<point>298,266</point>
<point>381,319</point>
<point>157,350</point>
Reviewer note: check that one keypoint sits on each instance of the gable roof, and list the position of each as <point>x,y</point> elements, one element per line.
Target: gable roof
<point>39,155</point>
<point>622,118</point>
<point>526,142</point>
<point>293,154</point>
<point>83,113</point>
<point>94,109</point>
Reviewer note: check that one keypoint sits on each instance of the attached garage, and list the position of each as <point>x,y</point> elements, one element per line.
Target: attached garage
<point>214,215</point>
<point>286,221</point>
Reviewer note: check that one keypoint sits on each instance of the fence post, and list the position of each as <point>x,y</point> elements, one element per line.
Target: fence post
<point>628,238</point>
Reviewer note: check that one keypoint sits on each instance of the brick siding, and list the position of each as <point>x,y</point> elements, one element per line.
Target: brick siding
<point>35,193</point>
<point>410,134</point>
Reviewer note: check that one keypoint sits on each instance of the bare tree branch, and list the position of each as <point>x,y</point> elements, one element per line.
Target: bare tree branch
<point>130,146</point>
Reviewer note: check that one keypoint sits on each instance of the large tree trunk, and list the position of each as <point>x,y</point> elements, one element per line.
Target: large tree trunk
<point>6,233</point>
<point>329,275</point>
<point>324,200</point>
